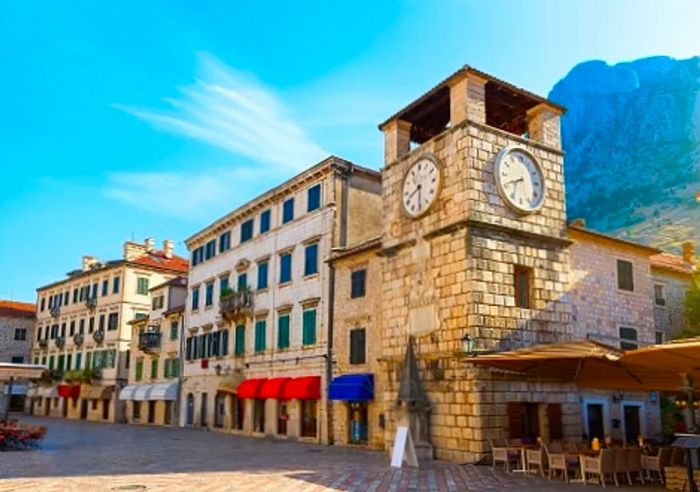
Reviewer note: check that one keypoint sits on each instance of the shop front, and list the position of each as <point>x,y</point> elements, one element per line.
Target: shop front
<point>151,403</point>
<point>352,396</point>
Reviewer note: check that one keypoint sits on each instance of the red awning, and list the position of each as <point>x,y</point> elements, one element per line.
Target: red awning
<point>68,391</point>
<point>250,388</point>
<point>272,388</point>
<point>304,388</point>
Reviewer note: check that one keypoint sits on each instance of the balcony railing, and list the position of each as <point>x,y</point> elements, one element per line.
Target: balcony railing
<point>149,340</point>
<point>55,311</point>
<point>236,304</point>
<point>60,342</point>
<point>91,302</point>
<point>78,339</point>
<point>82,375</point>
<point>99,336</point>
<point>43,343</point>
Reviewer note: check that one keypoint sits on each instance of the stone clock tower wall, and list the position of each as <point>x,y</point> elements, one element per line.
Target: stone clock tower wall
<point>450,272</point>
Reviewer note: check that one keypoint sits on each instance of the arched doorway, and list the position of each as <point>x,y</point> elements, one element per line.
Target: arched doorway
<point>189,418</point>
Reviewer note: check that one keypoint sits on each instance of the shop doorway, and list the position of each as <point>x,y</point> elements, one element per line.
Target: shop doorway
<point>105,409</point>
<point>309,412</point>
<point>203,410</point>
<point>594,414</point>
<point>259,416</point>
<point>632,416</point>
<point>83,409</point>
<point>219,410</point>
<point>151,412</point>
<point>357,422</point>
<point>47,406</point>
<point>282,417</point>
<point>64,410</point>
<point>237,412</point>
<point>189,417</point>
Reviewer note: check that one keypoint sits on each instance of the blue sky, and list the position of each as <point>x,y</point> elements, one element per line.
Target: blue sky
<point>137,119</point>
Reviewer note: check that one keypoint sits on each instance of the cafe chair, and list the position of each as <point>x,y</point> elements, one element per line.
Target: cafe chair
<point>536,460</point>
<point>634,464</point>
<point>501,453</point>
<point>603,467</point>
<point>558,461</point>
<point>656,464</point>
<point>621,464</point>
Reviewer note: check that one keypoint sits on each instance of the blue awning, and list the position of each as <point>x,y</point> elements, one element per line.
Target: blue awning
<point>352,387</point>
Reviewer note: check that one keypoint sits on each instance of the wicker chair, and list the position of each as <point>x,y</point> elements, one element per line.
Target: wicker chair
<point>536,460</point>
<point>557,461</point>
<point>501,453</point>
<point>621,463</point>
<point>656,464</point>
<point>602,466</point>
<point>634,464</point>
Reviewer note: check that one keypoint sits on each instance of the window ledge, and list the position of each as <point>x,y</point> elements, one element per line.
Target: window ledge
<point>285,284</point>
<point>311,276</point>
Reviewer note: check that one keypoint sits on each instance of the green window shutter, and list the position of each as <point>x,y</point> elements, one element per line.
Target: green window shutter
<point>154,368</point>
<point>240,340</point>
<point>309,327</point>
<point>283,331</point>
<point>173,330</point>
<point>175,367</point>
<point>88,360</point>
<point>260,335</point>
<point>138,371</point>
<point>166,368</point>
<point>51,359</point>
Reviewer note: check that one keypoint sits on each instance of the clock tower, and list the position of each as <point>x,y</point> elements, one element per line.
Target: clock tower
<point>474,247</point>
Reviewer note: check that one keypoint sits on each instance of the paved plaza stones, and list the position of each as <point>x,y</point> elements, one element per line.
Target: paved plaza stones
<point>84,456</point>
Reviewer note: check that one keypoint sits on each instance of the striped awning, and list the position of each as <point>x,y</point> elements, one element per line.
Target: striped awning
<point>127,392</point>
<point>141,392</point>
<point>162,391</point>
<point>97,392</point>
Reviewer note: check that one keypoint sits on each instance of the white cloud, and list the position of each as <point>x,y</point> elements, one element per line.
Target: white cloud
<point>232,111</point>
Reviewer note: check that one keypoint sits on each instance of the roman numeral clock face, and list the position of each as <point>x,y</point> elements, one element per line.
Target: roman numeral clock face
<point>520,180</point>
<point>420,186</point>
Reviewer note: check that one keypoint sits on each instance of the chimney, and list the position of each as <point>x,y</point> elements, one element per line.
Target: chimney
<point>168,246</point>
<point>689,252</point>
<point>580,223</point>
<point>149,244</point>
<point>88,262</point>
<point>133,250</point>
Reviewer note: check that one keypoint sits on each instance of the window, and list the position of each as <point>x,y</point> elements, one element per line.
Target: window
<point>78,360</point>
<point>71,332</point>
<point>81,326</point>
<point>101,324</point>
<point>38,334</point>
<point>357,283</point>
<point>17,359</point>
<point>358,346</point>
<point>94,291</point>
<point>311,259</point>
<point>260,335</point>
<point>21,334</point>
<point>198,256</point>
<point>113,321</point>
<point>75,296</point>
<point>659,295</point>
<point>265,221</point>
<point>659,337</point>
<point>285,268</point>
<point>69,361</point>
<point>628,338</point>
<point>115,285</point>
<point>242,281</point>
<point>225,241</point>
<point>209,294</point>
<point>625,277</point>
<point>43,303</point>
<point>138,369</point>
<point>105,287</point>
<point>66,298</point>
<point>63,330</point>
<point>283,331</point>
<point>210,249</point>
<point>91,324</point>
<point>247,230</point>
<point>309,327</point>
<point>223,284</point>
<point>240,340</point>
<point>157,302</point>
<point>174,329</point>
<point>288,210</point>
<point>313,198</point>
<point>309,412</point>
<point>61,362</point>
<point>142,286</point>
<point>195,298</point>
<point>262,274</point>
<point>521,279</point>
<point>154,368</point>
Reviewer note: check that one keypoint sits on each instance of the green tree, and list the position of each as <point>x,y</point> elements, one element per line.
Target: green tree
<point>692,313</point>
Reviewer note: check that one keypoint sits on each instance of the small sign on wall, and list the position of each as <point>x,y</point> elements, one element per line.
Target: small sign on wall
<point>404,449</point>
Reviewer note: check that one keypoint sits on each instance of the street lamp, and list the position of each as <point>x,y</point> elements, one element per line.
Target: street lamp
<point>468,344</point>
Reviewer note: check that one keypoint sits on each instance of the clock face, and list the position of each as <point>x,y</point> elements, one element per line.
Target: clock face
<point>520,180</point>
<point>420,186</point>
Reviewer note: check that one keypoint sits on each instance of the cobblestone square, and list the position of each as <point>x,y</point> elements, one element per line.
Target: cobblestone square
<point>84,456</point>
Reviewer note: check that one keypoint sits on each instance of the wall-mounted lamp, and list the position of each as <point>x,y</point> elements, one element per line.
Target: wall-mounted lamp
<point>468,344</point>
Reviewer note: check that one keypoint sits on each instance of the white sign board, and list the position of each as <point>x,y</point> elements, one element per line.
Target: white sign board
<point>403,449</point>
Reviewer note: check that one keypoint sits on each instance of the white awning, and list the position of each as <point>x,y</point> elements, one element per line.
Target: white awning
<point>127,392</point>
<point>163,391</point>
<point>13,370</point>
<point>17,389</point>
<point>141,392</point>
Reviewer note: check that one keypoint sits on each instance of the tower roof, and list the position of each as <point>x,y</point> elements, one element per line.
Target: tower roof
<point>411,388</point>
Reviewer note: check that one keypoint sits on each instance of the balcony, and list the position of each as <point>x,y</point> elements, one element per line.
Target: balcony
<point>60,342</point>
<point>149,341</point>
<point>43,343</point>
<point>78,339</point>
<point>83,375</point>
<point>99,336</point>
<point>55,311</point>
<point>234,305</point>
<point>91,302</point>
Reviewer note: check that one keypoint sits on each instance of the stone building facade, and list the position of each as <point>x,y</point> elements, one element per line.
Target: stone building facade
<point>673,277</point>
<point>16,334</point>
<point>83,335</point>
<point>356,389</point>
<point>256,348</point>
<point>152,395</point>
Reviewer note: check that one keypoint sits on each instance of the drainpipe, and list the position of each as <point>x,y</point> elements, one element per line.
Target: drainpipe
<point>181,367</point>
<point>329,349</point>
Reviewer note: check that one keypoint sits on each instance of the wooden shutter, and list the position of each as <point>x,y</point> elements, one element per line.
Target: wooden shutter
<point>625,275</point>
<point>555,422</point>
<point>515,419</point>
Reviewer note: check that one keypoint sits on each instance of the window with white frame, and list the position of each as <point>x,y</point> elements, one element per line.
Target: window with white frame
<point>659,295</point>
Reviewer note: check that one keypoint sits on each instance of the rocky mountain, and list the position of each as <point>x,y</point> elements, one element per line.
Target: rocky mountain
<point>632,142</point>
